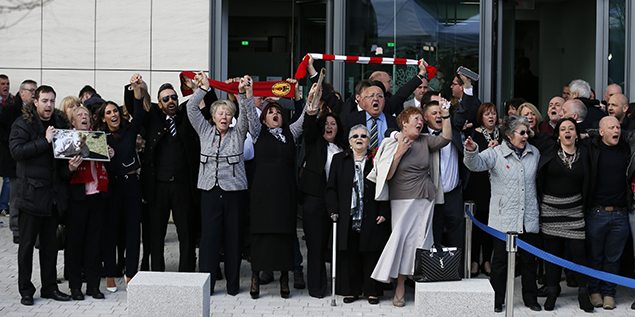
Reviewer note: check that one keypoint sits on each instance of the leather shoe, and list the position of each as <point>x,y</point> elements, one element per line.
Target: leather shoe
<point>498,308</point>
<point>609,303</point>
<point>534,306</point>
<point>298,280</point>
<point>95,293</point>
<point>373,300</point>
<point>350,299</point>
<point>76,294</point>
<point>27,300</point>
<point>57,295</point>
<point>633,305</point>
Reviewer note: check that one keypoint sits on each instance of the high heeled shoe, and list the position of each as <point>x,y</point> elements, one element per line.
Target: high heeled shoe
<point>284,284</point>
<point>399,302</point>
<point>474,269</point>
<point>254,289</point>
<point>486,268</point>
<point>111,285</point>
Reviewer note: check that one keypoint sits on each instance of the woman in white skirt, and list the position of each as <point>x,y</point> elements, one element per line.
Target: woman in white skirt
<point>404,173</point>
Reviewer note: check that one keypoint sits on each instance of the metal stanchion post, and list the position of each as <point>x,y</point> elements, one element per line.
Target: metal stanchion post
<point>511,249</point>
<point>333,265</point>
<point>467,251</point>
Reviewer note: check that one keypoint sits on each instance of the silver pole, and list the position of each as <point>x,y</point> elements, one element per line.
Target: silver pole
<point>334,218</point>
<point>469,206</point>
<point>511,249</point>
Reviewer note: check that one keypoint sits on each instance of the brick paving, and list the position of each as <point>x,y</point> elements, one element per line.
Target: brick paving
<point>269,303</point>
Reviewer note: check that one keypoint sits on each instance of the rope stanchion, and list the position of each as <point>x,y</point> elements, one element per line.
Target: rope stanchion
<point>600,275</point>
<point>511,249</point>
<point>469,208</point>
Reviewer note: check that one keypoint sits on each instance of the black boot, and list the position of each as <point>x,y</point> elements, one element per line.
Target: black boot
<point>254,290</point>
<point>584,301</point>
<point>552,295</point>
<point>284,284</point>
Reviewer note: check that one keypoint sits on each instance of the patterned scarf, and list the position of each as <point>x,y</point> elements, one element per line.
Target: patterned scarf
<point>568,159</point>
<point>357,198</point>
<point>490,137</point>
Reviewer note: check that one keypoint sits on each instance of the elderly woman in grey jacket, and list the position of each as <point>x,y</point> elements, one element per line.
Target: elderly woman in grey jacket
<point>221,177</point>
<point>512,166</point>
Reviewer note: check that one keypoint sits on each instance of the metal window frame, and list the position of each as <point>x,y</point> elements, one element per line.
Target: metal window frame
<point>601,46</point>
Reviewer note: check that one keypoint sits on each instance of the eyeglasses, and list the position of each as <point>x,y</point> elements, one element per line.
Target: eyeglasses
<point>355,136</point>
<point>167,98</point>
<point>521,133</point>
<point>379,96</point>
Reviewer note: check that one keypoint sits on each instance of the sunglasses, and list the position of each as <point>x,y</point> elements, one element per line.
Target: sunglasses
<point>167,98</point>
<point>355,136</point>
<point>521,133</point>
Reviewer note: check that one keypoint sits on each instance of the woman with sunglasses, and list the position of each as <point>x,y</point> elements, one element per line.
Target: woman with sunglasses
<point>405,166</point>
<point>323,137</point>
<point>124,186</point>
<point>362,229</point>
<point>512,167</point>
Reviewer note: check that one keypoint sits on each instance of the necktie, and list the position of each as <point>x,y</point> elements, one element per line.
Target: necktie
<point>171,126</point>
<point>373,134</point>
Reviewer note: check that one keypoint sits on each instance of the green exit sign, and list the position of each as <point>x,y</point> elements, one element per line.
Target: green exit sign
<point>244,43</point>
<point>391,44</point>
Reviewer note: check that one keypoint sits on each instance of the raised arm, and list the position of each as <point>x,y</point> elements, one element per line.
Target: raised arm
<point>194,112</point>
<point>475,161</point>
<point>247,117</point>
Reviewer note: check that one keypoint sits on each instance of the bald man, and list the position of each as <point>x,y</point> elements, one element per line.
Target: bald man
<point>554,112</point>
<point>611,90</point>
<point>610,196</point>
<point>618,108</point>
<point>384,78</point>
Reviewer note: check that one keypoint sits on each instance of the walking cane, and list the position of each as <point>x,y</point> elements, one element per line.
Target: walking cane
<point>334,218</point>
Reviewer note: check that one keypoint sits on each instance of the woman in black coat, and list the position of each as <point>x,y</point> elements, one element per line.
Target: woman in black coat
<point>323,137</point>
<point>362,229</point>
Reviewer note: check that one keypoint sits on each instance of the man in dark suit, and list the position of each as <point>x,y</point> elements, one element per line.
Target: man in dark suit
<point>372,101</point>
<point>7,164</point>
<point>465,114</point>
<point>169,175</point>
<point>448,224</point>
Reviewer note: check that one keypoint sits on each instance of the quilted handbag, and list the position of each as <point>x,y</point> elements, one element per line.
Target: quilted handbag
<point>437,264</point>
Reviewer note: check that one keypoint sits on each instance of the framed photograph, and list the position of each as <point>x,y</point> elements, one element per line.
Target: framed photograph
<point>90,145</point>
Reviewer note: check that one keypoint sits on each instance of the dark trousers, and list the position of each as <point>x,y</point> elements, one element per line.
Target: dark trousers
<point>354,268</point>
<point>574,249</point>
<point>14,213</point>
<point>220,227</point>
<point>606,236</point>
<point>481,241</point>
<point>448,222</point>
<point>83,238</point>
<point>125,205</point>
<point>315,222</point>
<point>145,236</point>
<point>498,277</point>
<point>175,197</point>
<point>30,228</point>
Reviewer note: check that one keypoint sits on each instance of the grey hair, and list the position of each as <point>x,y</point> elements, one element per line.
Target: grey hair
<point>579,108</point>
<point>355,127</point>
<point>224,103</point>
<point>580,87</point>
<point>512,122</point>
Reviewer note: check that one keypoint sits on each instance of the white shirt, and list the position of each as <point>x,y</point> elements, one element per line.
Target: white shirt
<point>449,159</point>
<point>331,150</point>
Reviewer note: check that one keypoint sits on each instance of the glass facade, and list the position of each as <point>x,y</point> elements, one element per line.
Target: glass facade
<point>617,47</point>
<point>444,33</point>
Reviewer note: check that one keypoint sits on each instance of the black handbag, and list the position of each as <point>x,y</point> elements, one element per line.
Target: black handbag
<point>437,264</point>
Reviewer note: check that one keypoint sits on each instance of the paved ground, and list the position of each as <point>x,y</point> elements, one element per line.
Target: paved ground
<point>270,304</point>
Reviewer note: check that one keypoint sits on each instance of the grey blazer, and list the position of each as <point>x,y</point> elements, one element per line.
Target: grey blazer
<point>221,160</point>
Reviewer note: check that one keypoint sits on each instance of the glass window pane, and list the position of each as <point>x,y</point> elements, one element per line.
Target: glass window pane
<point>617,13</point>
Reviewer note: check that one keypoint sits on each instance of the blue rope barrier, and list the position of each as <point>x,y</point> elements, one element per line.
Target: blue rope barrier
<point>600,275</point>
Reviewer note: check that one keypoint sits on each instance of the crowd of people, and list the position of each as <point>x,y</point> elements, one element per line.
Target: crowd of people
<point>393,173</point>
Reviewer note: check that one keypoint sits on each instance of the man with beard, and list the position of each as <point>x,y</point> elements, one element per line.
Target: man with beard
<point>618,107</point>
<point>7,164</point>
<point>169,176</point>
<point>554,112</point>
<point>610,198</point>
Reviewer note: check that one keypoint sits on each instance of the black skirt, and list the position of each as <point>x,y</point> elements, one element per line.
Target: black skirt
<point>272,252</point>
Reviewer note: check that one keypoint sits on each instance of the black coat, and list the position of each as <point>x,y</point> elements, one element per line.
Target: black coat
<point>339,189</point>
<point>593,146</point>
<point>466,111</point>
<point>8,115</point>
<point>313,177</point>
<point>41,179</point>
